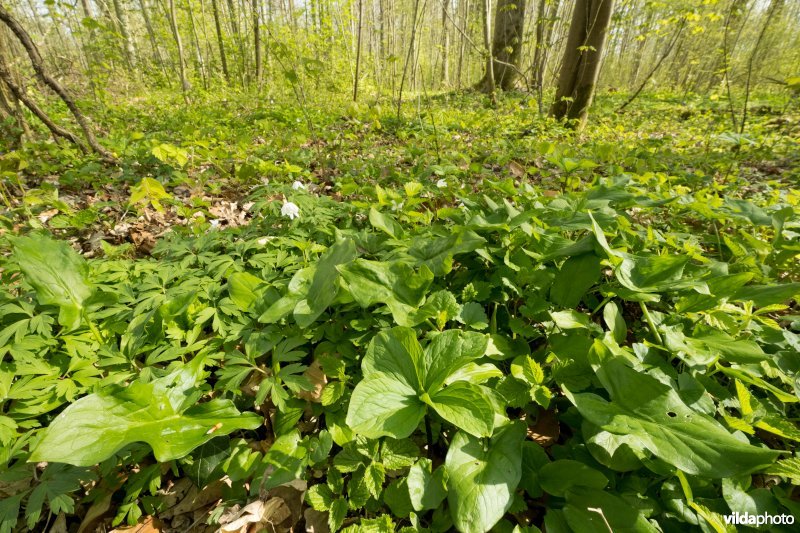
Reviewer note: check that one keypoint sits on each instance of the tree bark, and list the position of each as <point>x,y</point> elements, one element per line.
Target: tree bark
<point>21,95</point>
<point>173,24</point>
<point>128,50</point>
<point>44,77</point>
<point>257,42</point>
<point>220,42</point>
<point>580,65</point>
<point>509,26</point>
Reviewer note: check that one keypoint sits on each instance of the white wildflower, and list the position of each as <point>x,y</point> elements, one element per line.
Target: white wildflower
<point>397,206</point>
<point>298,185</point>
<point>441,183</point>
<point>214,223</point>
<point>290,210</point>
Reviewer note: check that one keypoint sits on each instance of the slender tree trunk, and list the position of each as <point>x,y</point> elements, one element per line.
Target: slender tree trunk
<point>463,41</point>
<point>509,28</point>
<point>201,63</point>
<point>128,50</point>
<point>173,24</point>
<point>647,78</point>
<point>358,50</point>
<point>257,42</point>
<point>20,94</point>
<point>774,7</point>
<point>487,85</point>
<point>151,35</point>
<point>445,45</point>
<point>408,56</point>
<point>38,67</point>
<point>220,41</point>
<point>580,66</point>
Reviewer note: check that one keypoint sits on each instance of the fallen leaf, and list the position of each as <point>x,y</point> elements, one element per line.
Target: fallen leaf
<point>149,524</point>
<point>516,169</point>
<point>546,430</point>
<point>273,511</point>
<point>317,378</point>
<point>316,521</point>
<point>95,513</point>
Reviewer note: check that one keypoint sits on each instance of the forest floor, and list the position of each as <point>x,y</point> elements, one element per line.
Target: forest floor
<point>567,321</point>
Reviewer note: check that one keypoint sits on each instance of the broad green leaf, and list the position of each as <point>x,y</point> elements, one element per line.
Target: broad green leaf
<point>465,406</point>
<point>397,353</point>
<point>164,413</point>
<point>482,477</point>
<point>577,275</point>
<point>614,322</point>
<point>297,289</point>
<point>244,289</point>
<point>394,284</point>
<point>57,273</point>
<point>474,316</point>
<point>382,406</point>
<point>448,352</point>
<point>385,223</point>
<point>592,510</point>
<point>427,488</point>
<point>285,461</point>
<point>651,416</point>
<point>764,295</point>
<point>558,477</point>
<point>325,283</point>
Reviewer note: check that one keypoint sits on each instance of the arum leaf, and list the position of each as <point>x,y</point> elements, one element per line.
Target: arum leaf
<point>383,406</point>
<point>57,273</point>
<point>577,275</point>
<point>482,477</point>
<point>164,413</point>
<point>652,416</point>
<point>426,488</point>
<point>465,406</point>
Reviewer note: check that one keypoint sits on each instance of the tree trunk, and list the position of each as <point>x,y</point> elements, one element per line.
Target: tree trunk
<point>128,50</point>
<point>445,45</point>
<point>257,42</point>
<point>151,35</point>
<point>487,84</point>
<point>220,42</point>
<point>358,50</point>
<point>173,24</point>
<point>509,25</point>
<point>38,67</point>
<point>580,65</point>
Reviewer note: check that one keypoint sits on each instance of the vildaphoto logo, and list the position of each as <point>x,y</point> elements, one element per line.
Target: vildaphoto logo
<point>763,519</point>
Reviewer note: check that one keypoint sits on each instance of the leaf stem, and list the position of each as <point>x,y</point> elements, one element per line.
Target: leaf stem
<point>92,327</point>
<point>651,324</point>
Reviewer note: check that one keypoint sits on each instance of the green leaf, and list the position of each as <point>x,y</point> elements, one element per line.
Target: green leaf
<point>385,223</point>
<point>651,415</point>
<point>473,315</point>
<point>244,289</point>
<point>382,406</point>
<point>397,353</point>
<point>207,460</point>
<point>9,511</point>
<point>558,477</point>
<point>593,510</point>
<point>285,461</point>
<point>164,413</point>
<point>577,275</point>
<point>338,513</point>
<point>394,284</point>
<point>614,322</point>
<point>764,295</point>
<point>325,283</point>
<point>482,477</point>
<point>465,406</point>
<point>57,273</point>
<point>448,352</point>
<point>427,489</point>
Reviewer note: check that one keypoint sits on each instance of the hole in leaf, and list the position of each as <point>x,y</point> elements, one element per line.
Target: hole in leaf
<point>671,414</point>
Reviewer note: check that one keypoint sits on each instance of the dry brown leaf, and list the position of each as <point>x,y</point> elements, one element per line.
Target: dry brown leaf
<point>318,379</point>
<point>149,524</point>
<point>316,521</point>
<point>60,524</point>
<point>95,513</point>
<point>259,513</point>
<point>545,431</point>
<point>516,169</point>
